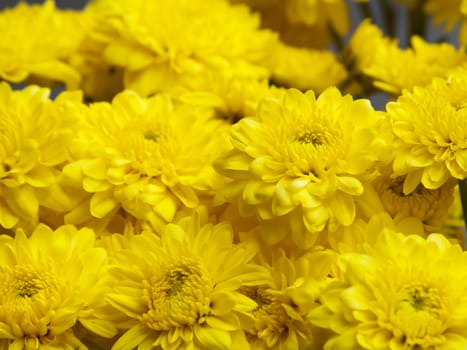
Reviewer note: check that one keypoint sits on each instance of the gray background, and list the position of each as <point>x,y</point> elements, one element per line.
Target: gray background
<point>76,4</point>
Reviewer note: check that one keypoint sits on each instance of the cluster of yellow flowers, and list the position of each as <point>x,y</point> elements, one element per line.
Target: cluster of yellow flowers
<point>209,175</point>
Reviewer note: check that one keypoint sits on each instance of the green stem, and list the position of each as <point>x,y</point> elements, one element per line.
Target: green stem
<point>364,8</point>
<point>417,21</point>
<point>463,193</point>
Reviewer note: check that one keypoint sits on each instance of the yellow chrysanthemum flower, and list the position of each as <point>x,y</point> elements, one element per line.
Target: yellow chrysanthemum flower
<point>156,42</point>
<point>404,293</point>
<point>34,132</point>
<point>100,81</point>
<point>231,97</point>
<point>48,283</point>
<point>430,127</point>
<point>303,23</point>
<point>146,156</point>
<point>449,13</point>
<point>287,65</point>
<point>373,59</point>
<point>279,320</point>
<point>36,41</point>
<point>421,211</point>
<point>182,293</point>
<point>416,66</point>
<point>301,159</point>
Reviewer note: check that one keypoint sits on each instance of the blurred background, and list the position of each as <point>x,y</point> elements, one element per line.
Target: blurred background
<point>75,4</point>
<point>432,33</point>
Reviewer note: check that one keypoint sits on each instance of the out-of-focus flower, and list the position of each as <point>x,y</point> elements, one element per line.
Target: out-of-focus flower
<point>305,69</point>
<point>279,320</point>
<point>405,292</point>
<point>34,135</point>
<point>421,211</point>
<point>303,23</point>
<point>157,42</point>
<point>182,293</point>
<point>48,283</point>
<point>146,156</point>
<point>231,97</point>
<point>37,41</point>
<point>449,13</point>
<point>302,160</point>
<point>430,127</point>
<point>375,60</point>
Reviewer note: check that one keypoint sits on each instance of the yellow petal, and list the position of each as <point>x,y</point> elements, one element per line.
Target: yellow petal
<point>102,203</point>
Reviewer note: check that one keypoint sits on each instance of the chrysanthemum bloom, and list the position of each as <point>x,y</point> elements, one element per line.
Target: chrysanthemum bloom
<point>279,321</point>
<point>231,97</point>
<point>449,14</point>
<point>145,156</point>
<point>416,66</point>
<point>37,41</point>
<point>34,134</point>
<point>303,23</point>
<point>405,293</point>
<point>156,42</point>
<point>375,60</point>
<point>48,283</point>
<point>430,128</point>
<point>421,211</point>
<point>322,68</point>
<point>300,161</point>
<point>100,81</point>
<point>182,292</point>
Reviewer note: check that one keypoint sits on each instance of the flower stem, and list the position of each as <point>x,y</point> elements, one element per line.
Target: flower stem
<point>463,193</point>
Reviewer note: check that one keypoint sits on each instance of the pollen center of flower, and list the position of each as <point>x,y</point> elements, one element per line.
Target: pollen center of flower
<point>270,317</point>
<point>177,298</point>
<point>420,315</point>
<point>398,184</point>
<point>28,297</point>
<point>150,135</point>
<point>311,137</point>
<point>25,283</point>
<point>430,206</point>
<point>422,297</point>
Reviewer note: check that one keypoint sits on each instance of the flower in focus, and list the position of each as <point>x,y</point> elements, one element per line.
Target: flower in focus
<point>157,42</point>
<point>148,157</point>
<point>34,132</point>
<point>405,292</point>
<point>49,282</point>
<point>182,293</point>
<point>303,160</point>
<point>36,41</point>
<point>430,127</point>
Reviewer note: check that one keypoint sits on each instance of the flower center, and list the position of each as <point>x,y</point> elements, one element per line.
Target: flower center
<point>311,137</point>
<point>422,298</point>
<point>25,283</point>
<point>178,297</point>
<point>398,184</point>
<point>28,298</point>
<point>430,206</point>
<point>150,135</point>
<point>271,320</point>
<point>421,315</point>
